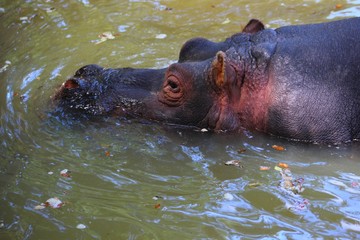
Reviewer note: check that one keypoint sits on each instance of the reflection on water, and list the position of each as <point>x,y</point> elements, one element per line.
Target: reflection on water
<point>132,179</point>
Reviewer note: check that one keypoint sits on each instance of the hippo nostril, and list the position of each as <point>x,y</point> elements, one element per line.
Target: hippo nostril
<point>71,84</point>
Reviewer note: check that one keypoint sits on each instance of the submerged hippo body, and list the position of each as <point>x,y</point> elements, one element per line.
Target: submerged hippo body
<point>297,82</point>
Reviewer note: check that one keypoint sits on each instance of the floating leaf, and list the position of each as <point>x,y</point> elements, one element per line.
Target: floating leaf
<point>278,148</point>
<point>157,198</point>
<point>236,163</point>
<point>80,226</point>
<point>161,36</point>
<point>157,206</point>
<point>5,67</point>
<point>107,153</point>
<point>51,202</point>
<point>255,184</point>
<point>227,20</point>
<point>39,207</point>
<point>278,168</point>
<point>65,173</point>
<point>105,36</point>
<point>338,6</point>
<point>264,168</point>
<point>241,151</point>
<point>54,203</point>
<point>24,19</point>
<point>283,165</point>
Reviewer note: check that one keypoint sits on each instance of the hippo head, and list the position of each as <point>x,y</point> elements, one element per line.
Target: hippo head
<point>200,90</point>
<point>189,93</point>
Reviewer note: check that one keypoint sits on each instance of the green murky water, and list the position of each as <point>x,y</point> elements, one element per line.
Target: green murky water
<point>137,180</point>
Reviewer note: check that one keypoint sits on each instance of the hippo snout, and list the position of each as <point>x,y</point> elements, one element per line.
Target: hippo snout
<point>96,90</point>
<point>81,93</point>
<point>87,79</point>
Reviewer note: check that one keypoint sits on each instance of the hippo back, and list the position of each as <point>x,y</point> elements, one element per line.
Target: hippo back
<point>314,75</point>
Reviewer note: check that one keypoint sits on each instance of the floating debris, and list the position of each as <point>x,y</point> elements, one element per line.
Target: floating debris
<point>278,148</point>
<point>283,165</point>
<point>105,36</point>
<point>4,68</point>
<point>338,6</point>
<point>287,181</point>
<point>25,19</point>
<point>80,226</point>
<point>236,163</point>
<point>241,151</point>
<point>157,198</point>
<point>161,36</point>
<point>254,184</point>
<point>51,202</point>
<point>50,9</point>
<point>65,173</point>
<point>264,168</point>
<point>226,21</point>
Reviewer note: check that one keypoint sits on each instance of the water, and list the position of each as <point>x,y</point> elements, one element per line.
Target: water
<point>132,179</point>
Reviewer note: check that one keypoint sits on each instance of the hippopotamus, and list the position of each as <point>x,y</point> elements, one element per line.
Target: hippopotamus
<point>299,82</point>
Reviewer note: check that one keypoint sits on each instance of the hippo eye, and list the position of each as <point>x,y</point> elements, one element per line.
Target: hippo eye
<point>172,93</point>
<point>172,84</point>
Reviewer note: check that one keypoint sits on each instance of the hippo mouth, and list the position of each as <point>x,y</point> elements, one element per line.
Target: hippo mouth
<point>73,97</point>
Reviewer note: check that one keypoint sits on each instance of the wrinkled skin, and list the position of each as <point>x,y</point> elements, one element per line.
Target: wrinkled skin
<point>296,82</point>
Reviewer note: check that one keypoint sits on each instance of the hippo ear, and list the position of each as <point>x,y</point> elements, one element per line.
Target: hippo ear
<point>218,69</point>
<point>253,26</point>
